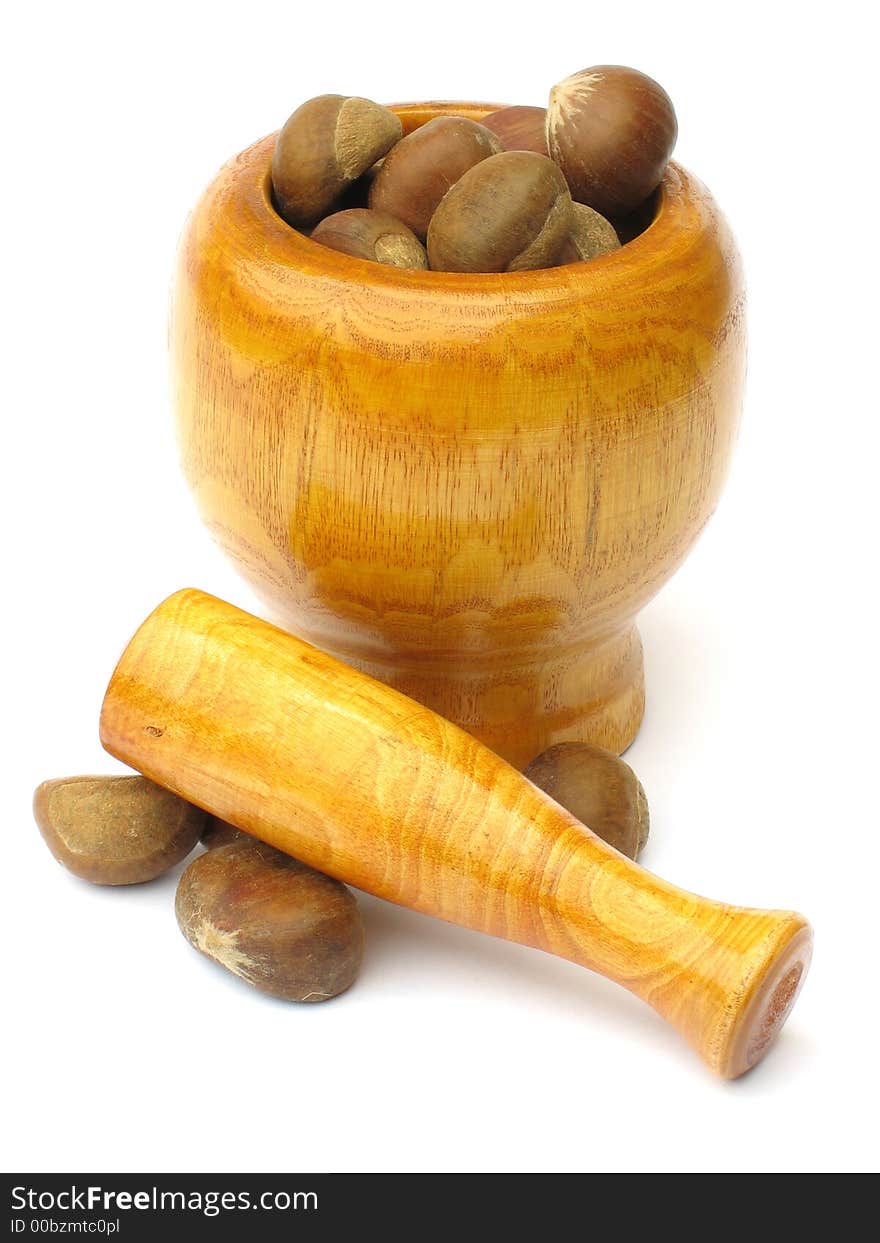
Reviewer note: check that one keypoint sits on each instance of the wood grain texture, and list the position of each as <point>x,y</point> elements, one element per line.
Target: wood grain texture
<point>365,784</point>
<point>465,484</point>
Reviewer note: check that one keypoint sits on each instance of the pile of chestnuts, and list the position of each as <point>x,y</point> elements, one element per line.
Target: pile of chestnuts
<point>281,926</point>
<point>525,188</point>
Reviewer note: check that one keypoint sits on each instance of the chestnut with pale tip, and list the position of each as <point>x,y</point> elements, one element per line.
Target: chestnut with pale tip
<point>374,235</point>
<point>281,926</point>
<point>611,130</point>
<point>520,128</point>
<point>115,830</point>
<point>325,146</point>
<point>420,169</point>
<point>591,235</point>
<point>599,789</point>
<point>508,213</point>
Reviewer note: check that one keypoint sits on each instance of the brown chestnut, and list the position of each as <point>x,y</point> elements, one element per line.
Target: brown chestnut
<point>219,832</point>
<point>520,128</point>
<point>418,171</point>
<point>115,830</point>
<point>599,789</point>
<point>507,213</point>
<point>591,235</point>
<point>281,926</point>
<point>328,143</point>
<point>371,235</point>
<point>611,130</point>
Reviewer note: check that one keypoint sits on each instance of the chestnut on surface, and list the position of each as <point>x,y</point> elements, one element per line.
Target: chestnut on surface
<point>599,789</point>
<point>219,832</point>
<point>285,928</point>
<point>115,830</point>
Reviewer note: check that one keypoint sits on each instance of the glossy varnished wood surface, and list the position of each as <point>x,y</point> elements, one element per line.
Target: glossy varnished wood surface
<point>466,485</point>
<point>359,781</point>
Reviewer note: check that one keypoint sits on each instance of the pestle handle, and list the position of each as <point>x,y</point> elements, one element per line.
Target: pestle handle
<point>369,786</point>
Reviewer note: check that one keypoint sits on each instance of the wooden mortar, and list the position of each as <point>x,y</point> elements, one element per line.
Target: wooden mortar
<point>465,485</point>
<point>363,783</point>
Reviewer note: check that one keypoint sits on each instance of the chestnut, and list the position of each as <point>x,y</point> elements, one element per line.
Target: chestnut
<point>520,128</point>
<point>326,145</point>
<point>418,171</point>
<point>599,789</point>
<point>115,830</point>
<point>591,235</point>
<point>510,212</point>
<point>611,130</point>
<point>373,235</point>
<point>286,929</point>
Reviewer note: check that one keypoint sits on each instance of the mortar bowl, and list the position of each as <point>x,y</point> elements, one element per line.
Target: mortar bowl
<point>466,485</point>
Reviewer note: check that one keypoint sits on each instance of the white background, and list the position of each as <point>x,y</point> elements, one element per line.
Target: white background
<point>123,1049</point>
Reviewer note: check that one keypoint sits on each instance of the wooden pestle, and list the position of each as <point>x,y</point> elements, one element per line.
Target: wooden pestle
<point>364,783</point>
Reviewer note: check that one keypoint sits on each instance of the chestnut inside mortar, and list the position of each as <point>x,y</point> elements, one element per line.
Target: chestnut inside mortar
<point>413,116</point>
